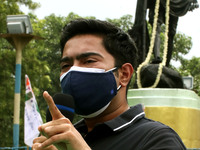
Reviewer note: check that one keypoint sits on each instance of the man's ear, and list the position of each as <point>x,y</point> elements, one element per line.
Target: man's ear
<point>125,74</point>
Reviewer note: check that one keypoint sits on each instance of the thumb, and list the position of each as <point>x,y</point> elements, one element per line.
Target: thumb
<point>55,112</point>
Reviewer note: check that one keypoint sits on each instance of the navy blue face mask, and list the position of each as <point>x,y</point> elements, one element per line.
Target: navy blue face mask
<point>92,89</point>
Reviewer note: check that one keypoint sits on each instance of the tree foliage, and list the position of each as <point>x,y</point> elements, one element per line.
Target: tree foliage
<point>41,61</point>
<point>191,68</point>
<point>11,7</point>
<point>124,22</point>
<point>7,73</point>
<point>182,46</point>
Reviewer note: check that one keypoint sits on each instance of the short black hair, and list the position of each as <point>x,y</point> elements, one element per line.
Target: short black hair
<point>118,43</point>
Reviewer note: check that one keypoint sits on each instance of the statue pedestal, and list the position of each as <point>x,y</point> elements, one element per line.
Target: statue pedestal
<point>177,108</point>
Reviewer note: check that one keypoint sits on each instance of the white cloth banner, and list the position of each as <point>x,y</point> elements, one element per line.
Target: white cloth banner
<point>32,118</point>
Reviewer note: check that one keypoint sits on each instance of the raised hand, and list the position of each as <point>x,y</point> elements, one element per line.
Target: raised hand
<point>60,131</point>
<point>37,142</point>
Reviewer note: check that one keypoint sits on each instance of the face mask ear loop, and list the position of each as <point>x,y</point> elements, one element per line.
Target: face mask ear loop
<point>119,87</point>
<point>113,69</point>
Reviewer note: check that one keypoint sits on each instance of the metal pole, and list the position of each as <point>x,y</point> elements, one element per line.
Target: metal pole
<point>19,41</point>
<point>17,95</point>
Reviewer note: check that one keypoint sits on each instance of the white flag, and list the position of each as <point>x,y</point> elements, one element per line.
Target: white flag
<point>32,118</point>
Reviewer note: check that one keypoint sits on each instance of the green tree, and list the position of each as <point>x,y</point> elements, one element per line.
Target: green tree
<point>125,22</point>
<point>182,46</point>
<point>7,73</point>
<point>12,7</point>
<point>191,68</point>
<point>7,67</point>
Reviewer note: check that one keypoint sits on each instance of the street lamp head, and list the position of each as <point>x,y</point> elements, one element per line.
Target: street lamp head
<point>19,24</point>
<point>188,82</point>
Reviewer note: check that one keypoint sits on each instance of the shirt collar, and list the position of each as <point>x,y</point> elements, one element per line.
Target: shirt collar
<point>126,119</point>
<point>119,123</point>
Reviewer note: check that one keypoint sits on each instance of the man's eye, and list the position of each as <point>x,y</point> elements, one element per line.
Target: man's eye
<point>65,66</point>
<point>90,61</point>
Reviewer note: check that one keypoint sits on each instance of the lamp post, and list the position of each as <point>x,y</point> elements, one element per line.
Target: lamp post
<point>19,29</point>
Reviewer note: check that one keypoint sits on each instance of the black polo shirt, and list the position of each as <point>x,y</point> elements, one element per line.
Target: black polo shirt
<point>131,131</point>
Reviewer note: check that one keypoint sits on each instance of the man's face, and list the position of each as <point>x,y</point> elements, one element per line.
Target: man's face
<point>86,51</point>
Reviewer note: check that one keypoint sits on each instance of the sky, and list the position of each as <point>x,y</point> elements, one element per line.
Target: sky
<point>102,9</point>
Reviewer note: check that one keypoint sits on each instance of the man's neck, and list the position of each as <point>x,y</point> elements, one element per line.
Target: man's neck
<point>109,114</point>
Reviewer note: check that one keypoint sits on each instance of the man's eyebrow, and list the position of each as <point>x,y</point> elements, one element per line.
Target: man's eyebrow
<point>81,56</point>
<point>65,59</point>
<point>85,55</point>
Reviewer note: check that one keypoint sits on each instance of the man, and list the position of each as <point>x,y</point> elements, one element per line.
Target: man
<point>96,68</point>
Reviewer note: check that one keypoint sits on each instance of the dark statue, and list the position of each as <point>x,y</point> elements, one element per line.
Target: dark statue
<point>169,78</point>
<point>140,34</point>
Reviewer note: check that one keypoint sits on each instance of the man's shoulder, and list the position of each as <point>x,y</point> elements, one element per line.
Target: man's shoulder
<point>151,129</point>
<point>149,124</point>
<point>156,133</point>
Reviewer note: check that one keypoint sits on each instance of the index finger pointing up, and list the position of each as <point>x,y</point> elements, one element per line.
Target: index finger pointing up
<point>55,112</point>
